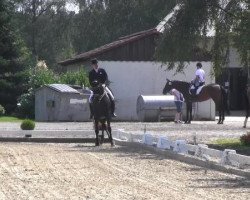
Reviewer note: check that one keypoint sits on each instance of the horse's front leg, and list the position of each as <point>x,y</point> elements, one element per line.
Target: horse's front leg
<point>97,143</point>
<point>188,117</point>
<point>109,131</point>
<point>219,122</point>
<point>103,129</point>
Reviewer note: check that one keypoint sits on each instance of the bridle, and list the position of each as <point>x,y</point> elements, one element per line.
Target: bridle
<point>100,97</point>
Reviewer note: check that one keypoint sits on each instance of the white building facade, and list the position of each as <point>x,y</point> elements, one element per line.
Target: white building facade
<point>131,79</point>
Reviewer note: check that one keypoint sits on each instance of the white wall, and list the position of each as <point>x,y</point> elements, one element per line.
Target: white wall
<point>131,79</point>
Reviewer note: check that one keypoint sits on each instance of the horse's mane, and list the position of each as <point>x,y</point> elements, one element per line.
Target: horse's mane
<point>181,82</point>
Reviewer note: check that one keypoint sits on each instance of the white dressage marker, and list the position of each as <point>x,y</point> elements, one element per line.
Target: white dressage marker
<point>199,149</point>
<point>225,156</point>
<point>163,143</point>
<point>180,146</point>
<point>147,139</point>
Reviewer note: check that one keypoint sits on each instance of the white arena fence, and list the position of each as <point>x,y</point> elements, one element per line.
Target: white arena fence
<point>227,157</point>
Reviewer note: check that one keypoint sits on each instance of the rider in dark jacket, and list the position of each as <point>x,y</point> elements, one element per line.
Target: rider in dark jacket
<point>98,74</point>
<point>101,76</point>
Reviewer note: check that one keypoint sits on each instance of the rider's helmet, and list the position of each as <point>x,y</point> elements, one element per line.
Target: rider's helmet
<point>199,65</point>
<point>94,61</point>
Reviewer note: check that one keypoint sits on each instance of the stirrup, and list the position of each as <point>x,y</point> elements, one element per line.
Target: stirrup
<point>113,115</point>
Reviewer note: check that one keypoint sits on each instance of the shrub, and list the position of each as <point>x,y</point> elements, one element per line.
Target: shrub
<point>27,124</point>
<point>245,139</point>
<point>2,110</point>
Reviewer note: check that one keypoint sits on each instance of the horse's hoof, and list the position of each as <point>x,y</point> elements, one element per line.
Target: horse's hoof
<point>244,126</point>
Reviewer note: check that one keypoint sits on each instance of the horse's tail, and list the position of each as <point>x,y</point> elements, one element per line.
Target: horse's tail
<point>224,99</point>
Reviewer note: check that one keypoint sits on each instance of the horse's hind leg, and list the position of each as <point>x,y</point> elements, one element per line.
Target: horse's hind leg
<point>189,113</point>
<point>96,133</point>
<point>223,116</point>
<point>245,122</point>
<point>219,122</point>
<point>220,116</point>
<point>246,118</point>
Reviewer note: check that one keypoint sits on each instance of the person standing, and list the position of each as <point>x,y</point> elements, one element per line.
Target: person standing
<point>100,75</point>
<point>178,100</point>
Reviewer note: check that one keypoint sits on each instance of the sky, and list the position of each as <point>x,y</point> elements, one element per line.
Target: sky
<point>72,7</point>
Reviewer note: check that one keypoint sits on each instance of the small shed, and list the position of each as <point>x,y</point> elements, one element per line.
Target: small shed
<point>60,102</point>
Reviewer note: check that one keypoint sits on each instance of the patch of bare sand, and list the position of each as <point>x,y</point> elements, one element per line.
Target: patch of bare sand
<point>63,171</point>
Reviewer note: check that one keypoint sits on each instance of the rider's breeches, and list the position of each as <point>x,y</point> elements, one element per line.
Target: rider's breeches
<point>91,96</point>
<point>110,93</point>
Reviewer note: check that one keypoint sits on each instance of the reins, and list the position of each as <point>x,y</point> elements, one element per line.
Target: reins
<point>104,93</point>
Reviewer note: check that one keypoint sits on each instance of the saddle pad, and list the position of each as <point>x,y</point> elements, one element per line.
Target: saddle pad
<point>199,89</point>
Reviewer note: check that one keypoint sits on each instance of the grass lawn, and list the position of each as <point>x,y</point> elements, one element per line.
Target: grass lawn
<point>235,144</point>
<point>10,119</point>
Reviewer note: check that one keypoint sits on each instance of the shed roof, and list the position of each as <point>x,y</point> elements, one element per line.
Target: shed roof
<point>121,41</point>
<point>63,88</point>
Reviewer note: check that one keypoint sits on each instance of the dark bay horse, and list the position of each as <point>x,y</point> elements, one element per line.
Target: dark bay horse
<point>102,112</point>
<point>213,91</point>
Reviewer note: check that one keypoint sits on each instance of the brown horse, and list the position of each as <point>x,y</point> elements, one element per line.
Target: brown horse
<point>213,91</point>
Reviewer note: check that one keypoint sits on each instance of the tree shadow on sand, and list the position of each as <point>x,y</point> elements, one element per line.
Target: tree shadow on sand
<point>141,153</point>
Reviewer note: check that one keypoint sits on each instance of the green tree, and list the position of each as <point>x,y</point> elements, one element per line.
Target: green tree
<point>185,34</point>
<point>13,54</point>
<point>45,26</point>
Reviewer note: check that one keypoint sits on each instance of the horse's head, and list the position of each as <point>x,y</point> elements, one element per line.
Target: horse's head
<point>168,87</point>
<point>97,87</point>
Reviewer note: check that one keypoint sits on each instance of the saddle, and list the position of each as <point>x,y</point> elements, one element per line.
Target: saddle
<point>195,90</point>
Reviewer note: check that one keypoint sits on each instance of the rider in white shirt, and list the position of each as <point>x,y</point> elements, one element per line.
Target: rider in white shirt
<point>199,79</point>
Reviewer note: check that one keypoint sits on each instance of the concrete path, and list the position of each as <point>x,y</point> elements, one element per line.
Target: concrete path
<point>205,131</point>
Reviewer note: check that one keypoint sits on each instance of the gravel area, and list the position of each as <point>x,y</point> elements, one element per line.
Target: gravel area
<point>82,171</point>
<point>73,171</point>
